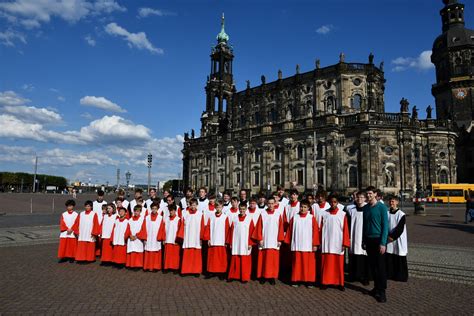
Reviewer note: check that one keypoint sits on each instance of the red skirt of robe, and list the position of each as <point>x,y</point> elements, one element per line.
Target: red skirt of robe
<point>303,266</point>
<point>217,259</point>
<point>268,263</point>
<point>85,251</point>
<point>98,246</point>
<point>152,260</point>
<point>240,268</point>
<point>119,254</point>
<point>192,261</point>
<point>107,250</point>
<point>171,257</point>
<point>134,260</point>
<point>332,269</point>
<point>67,248</point>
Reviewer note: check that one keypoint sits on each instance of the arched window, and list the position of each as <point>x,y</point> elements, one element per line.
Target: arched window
<point>458,66</point>
<point>242,121</point>
<point>330,104</point>
<point>443,176</point>
<point>356,101</point>
<point>300,152</point>
<point>224,105</point>
<point>258,119</point>
<point>353,183</point>
<point>320,151</point>
<point>273,116</point>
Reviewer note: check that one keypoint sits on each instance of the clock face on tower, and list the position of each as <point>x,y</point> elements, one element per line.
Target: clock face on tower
<point>460,94</point>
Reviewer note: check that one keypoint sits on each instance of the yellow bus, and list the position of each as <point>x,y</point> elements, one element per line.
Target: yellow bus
<point>456,192</point>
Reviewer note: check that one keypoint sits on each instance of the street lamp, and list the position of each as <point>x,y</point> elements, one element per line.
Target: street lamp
<point>128,175</point>
<point>419,205</point>
<point>150,158</point>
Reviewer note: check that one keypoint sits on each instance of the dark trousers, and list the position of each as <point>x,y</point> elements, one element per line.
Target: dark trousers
<point>377,264</point>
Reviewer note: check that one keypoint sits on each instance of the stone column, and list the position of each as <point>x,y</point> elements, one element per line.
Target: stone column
<point>266,164</point>
<point>229,171</point>
<point>247,165</point>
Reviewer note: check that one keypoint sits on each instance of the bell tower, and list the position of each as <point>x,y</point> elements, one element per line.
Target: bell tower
<point>220,83</point>
<point>453,56</point>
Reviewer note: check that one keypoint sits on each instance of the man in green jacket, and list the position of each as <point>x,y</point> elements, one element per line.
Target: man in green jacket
<point>375,234</point>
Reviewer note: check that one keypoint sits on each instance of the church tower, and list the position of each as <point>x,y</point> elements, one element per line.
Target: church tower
<point>220,84</point>
<point>453,56</point>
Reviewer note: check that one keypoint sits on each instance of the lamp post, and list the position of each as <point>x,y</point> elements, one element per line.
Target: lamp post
<point>418,204</point>
<point>150,158</point>
<point>128,175</point>
<point>118,178</point>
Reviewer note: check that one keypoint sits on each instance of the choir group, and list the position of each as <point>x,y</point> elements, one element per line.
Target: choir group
<point>262,238</point>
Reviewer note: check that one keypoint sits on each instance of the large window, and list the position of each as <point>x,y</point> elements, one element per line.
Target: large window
<point>300,177</point>
<point>257,156</point>
<point>300,152</point>
<point>256,178</point>
<point>221,178</point>
<point>357,101</point>
<point>239,157</point>
<point>277,177</point>
<point>443,176</point>
<point>237,177</point>
<point>206,183</point>
<point>278,153</point>
<point>320,176</point>
<point>353,177</point>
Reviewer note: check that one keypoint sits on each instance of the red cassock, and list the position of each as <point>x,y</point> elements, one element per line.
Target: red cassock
<point>334,237</point>
<point>216,232</point>
<point>270,232</point>
<point>172,249</point>
<point>119,236</point>
<point>302,236</point>
<point>67,242</point>
<point>88,230</point>
<point>107,226</point>
<point>155,234</point>
<point>135,247</point>
<point>192,232</point>
<point>240,239</point>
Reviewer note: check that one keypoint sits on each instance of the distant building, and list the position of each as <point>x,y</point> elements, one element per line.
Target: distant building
<point>327,126</point>
<point>453,56</point>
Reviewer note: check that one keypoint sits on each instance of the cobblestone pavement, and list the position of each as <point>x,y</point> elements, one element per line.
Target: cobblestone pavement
<point>52,288</point>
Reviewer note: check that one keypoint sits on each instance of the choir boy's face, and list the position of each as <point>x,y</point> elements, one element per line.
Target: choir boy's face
<point>119,204</point>
<point>271,204</point>
<point>371,196</point>
<point>218,208</point>
<point>226,197</point>
<point>152,194</point>
<point>137,195</point>
<point>136,213</point>
<point>235,204</point>
<point>154,209</point>
<point>277,198</point>
<point>189,194</point>
<point>304,208</point>
<point>139,202</point>
<point>393,204</point>
<point>122,212</point>
<point>110,210</point>
<point>169,200</point>
<point>88,207</point>
<point>253,204</point>
<point>165,194</point>
<point>70,207</point>
<point>243,195</point>
<point>172,213</point>
<point>294,196</point>
<point>360,199</point>
<point>281,192</point>
<point>193,206</point>
<point>104,210</point>
<point>261,200</point>
<point>212,201</point>
<point>242,210</point>
<point>333,203</point>
<point>202,193</point>
<point>100,198</point>
<point>310,199</point>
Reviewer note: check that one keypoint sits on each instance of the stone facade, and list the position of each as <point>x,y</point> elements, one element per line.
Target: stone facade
<point>327,127</point>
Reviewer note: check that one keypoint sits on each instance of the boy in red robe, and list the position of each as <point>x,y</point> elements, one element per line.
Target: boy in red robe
<point>234,209</point>
<point>192,233</point>
<point>119,236</point>
<point>269,235</point>
<point>303,237</point>
<point>334,238</point>
<point>138,233</point>
<point>108,221</point>
<point>241,246</point>
<point>88,227</point>
<point>67,238</point>
<point>216,232</point>
<point>172,224</point>
<point>155,233</point>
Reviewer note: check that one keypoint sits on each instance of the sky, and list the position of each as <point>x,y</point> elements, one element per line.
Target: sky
<point>92,86</point>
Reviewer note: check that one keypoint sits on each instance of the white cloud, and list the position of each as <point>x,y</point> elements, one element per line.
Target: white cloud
<point>111,130</point>
<point>54,90</point>
<point>138,40</point>
<point>28,87</point>
<point>69,158</point>
<point>16,154</point>
<point>61,98</point>
<point>422,62</point>
<point>146,12</point>
<point>325,29</point>
<point>32,13</point>
<point>86,115</point>
<point>89,40</point>
<point>9,37</point>
<point>11,98</point>
<point>101,103</point>
<point>32,114</point>
<point>15,128</point>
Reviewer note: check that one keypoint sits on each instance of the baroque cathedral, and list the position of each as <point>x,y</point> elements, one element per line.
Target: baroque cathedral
<point>328,126</point>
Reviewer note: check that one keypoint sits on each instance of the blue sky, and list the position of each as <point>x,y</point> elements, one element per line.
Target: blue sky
<point>104,82</point>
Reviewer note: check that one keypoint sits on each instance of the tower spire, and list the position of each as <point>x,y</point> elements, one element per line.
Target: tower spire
<point>222,37</point>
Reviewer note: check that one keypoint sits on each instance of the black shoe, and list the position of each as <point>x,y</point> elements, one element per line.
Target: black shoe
<point>244,282</point>
<point>381,298</point>
<point>323,287</point>
<point>229,280</point>
<point>197,275</point>
<point>221,277</point>
<point>166,271</point>
<point>272,281</point>
<point>62,260</point>
<point>208,276</point>
<point>372,292</point>
<point>262,281</point>
<point>341,288</point>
